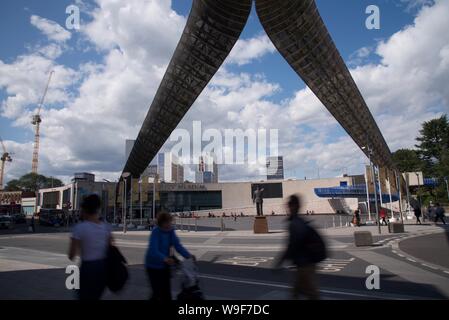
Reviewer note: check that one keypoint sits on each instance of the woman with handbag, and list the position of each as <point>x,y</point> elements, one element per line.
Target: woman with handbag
<point>91,240</point>
<point>159,259</point>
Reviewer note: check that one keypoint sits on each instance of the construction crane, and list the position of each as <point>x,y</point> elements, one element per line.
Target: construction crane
<point>5,158</point>
<point>36,121</point>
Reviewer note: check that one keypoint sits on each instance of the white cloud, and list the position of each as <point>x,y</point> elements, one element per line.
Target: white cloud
<point>413,4</point>
<point>51,29</point>
<point>85,129</point>
<point>246,50</point>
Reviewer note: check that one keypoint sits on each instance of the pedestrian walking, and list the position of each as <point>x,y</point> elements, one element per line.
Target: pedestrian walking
<point>430,212</point>
<point>417,212</point>
<point>33,224</point>
<point>383,216</point>
<point>91,240</point>
<point>439,213</point>
<point>357,217</point>
<point>160,257</point>
<point>305,249</point>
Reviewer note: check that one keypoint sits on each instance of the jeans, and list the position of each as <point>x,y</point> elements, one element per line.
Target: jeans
<point>306,283</point>
<point>92,279</point>
<point>160,284</point>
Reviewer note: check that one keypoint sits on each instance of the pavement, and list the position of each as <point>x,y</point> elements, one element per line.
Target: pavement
<point>238,264</point>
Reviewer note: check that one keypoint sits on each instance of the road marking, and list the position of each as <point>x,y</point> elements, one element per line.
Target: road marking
<point>276,285</point>
<point>245,261</point>
<point>428,266</point>
<point>328,266</point>
<point>407,271</point>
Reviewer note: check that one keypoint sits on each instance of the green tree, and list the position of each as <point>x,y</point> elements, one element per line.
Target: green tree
<point>407,160</point>
<point>433,142</point>
<point>32,182</point>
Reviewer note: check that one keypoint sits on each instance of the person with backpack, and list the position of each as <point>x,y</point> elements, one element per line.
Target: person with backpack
<point>91,240</point>
<point>417,212</point>
<point>305,249</point>
<point>439,213</point>
<point>159,258</point>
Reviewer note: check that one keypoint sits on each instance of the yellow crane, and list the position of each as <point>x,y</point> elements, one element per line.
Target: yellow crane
<point>36,121</point>
<point>4,158</point>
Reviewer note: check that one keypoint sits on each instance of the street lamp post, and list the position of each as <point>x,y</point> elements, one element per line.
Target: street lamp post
<point>368,205</point>
<point>447,186</point>
<point>418,193</point>
<point>125,175</point>
<point>113,217</point>
<point>375,196</point>
<point>399,187</point>
<point>373,174</point>
<point>154,196</point>
<point>140,200</point>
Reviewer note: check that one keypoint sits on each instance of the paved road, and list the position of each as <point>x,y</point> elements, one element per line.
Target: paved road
<point>233,265</point>
<point>431,248</point>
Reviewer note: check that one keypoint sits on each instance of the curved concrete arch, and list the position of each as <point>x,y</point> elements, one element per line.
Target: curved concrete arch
<point>298,32</point>
<point>212,29</point>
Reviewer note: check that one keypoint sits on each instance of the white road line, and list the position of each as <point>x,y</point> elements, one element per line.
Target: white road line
<point>276,285</point>
<point>428,266</point>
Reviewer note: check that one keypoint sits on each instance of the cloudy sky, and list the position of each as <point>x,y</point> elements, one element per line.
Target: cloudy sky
<point>107,72</point>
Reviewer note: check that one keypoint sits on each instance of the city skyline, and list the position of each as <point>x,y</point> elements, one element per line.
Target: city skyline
<point>242,91</point>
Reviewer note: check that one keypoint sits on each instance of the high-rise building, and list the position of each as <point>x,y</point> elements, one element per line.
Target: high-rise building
<point>275,168</point>
<point>207,170</point>
<point>169,168</point>
<point>166,165</point>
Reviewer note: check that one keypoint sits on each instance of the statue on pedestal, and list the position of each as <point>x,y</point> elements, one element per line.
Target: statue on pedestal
<point>258,200</point>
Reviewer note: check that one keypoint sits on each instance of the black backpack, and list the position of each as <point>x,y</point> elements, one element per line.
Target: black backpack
<point>314,245</point>
<point>116,270</point>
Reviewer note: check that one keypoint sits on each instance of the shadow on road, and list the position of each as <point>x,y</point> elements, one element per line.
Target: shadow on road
<point>219,280</point>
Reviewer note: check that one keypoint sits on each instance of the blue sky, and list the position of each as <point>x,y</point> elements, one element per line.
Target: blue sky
<point>85,57</point>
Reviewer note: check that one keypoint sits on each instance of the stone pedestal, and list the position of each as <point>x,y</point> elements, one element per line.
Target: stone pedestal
<point>363,238</point>
<point>396,228</point>
<point>260,224</point>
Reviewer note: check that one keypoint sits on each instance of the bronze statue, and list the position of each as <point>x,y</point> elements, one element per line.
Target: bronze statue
<point>258,200</point>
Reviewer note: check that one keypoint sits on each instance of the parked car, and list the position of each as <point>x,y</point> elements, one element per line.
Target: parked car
<point>6,222</point>
<point>19,218</point>
<point>51,217</point>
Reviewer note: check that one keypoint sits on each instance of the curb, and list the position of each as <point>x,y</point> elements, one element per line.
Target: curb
<point>410,258</point>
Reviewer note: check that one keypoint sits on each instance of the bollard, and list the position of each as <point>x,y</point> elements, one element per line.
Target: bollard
<point>341,222</point>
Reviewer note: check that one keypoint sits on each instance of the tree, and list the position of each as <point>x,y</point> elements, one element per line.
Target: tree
<point>433,141</point>
<point>407,160</point>
<point>32,182</point>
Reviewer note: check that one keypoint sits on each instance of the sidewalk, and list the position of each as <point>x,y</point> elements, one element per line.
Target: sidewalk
<point>330,232</point>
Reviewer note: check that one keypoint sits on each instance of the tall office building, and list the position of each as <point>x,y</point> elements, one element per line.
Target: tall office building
<point>207,170</point>
<point>275,168</point>
<point>166,165</point>
<point>169,168</point>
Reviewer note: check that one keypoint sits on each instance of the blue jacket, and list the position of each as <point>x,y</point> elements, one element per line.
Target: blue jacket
<point>159,248</point>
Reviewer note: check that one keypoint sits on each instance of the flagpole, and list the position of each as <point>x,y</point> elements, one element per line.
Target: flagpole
<point>140,197</point>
